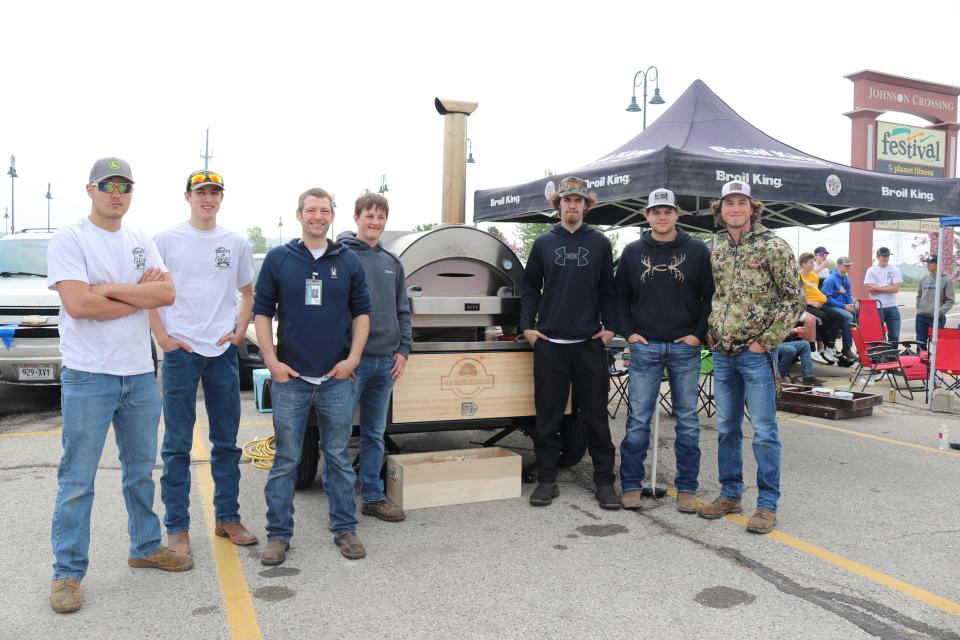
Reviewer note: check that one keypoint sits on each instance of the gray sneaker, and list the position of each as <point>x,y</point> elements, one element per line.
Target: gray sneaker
<point>818,356</point>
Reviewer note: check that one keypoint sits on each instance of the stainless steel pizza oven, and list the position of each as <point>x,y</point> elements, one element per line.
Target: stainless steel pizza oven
<point>460,281</point>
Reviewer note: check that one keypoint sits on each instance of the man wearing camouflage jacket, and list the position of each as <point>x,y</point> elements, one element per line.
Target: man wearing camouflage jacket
<point>757,301</point>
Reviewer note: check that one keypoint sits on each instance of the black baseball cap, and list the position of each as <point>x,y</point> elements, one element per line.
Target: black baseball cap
<point>883,251</point>
<point>931,259</point>
<point>820,250</point>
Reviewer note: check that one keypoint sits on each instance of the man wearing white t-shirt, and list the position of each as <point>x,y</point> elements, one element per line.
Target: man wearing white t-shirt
<point>883,281</point>
<point>199,335</point>
<point>107,276</point>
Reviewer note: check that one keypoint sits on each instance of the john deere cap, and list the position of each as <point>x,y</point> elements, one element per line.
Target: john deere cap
<point>105,168</point>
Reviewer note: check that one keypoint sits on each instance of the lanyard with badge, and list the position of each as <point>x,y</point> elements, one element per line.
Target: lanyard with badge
<point>313,295</point>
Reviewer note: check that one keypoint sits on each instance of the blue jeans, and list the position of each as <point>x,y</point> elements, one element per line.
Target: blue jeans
<point>846,319</point>
<point>924,323</point>
<point>372,389</point>
<point>747,376</point>
<point>647,362</point>
<point>787,352</point>
<point>90,402</point>
<point>333,402</point>
<point>182,371</point>
<point>891,318</point>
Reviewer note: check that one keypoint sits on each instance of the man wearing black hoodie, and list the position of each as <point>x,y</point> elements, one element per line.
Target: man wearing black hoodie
<point>664,291</point>
<point>568,307</point>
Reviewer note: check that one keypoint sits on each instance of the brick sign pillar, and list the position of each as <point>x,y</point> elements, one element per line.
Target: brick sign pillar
<point>874,94</point>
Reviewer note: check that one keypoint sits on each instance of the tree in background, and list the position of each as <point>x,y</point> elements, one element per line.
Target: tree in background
<point>499,235</point>
<point>425,226</point>
<point>258,244</point>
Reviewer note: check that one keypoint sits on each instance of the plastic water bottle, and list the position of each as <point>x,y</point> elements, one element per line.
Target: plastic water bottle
<point>943,437</point>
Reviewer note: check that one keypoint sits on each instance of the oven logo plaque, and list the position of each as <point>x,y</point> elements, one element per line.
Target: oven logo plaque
<point>468,378</point>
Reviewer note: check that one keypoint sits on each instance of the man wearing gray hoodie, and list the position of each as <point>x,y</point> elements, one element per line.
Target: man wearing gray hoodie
<point>387,349</point>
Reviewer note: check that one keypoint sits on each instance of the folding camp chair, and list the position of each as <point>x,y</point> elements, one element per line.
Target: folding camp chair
<point>619,385</point>
<point>705,399</point>
<point>874,331</point>
<point>883,359</point>
<point>948,359</point>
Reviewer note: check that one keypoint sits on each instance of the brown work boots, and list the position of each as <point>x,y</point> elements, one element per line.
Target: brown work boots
<point>763,521</point>
<point>719,508</point>
<point>384,510</point>
<point>65,596</point>
<point>163,559</point>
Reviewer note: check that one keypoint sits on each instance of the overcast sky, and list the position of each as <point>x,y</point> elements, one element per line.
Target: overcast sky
<point>336,94</point>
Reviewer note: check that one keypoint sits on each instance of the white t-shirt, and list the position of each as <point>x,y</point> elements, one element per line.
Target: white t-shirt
<point>316,253</point>
<point>208,268</point>
<point>85,252</point>
<point>883,277</point>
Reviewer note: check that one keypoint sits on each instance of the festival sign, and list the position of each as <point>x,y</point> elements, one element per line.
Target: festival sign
<point>910,151</point>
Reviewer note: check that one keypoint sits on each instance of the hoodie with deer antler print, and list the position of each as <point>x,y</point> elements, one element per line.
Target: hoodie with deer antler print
<point>664,289</point>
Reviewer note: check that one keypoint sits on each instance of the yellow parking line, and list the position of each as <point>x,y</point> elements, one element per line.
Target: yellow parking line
<point>241,616</point>
<point>852,566</point>
<point>27,434</point>
<point>870,436</point>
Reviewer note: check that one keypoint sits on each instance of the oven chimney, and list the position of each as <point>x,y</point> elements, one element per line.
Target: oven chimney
<point>455,114</point>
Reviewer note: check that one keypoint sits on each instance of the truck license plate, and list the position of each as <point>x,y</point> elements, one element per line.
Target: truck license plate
<point>35,371</point>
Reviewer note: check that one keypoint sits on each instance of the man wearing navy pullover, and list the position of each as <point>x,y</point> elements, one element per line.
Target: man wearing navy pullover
<point>316,286</point>
<point>664,291</point>
<point>840,302</point>
<point>567,310</point>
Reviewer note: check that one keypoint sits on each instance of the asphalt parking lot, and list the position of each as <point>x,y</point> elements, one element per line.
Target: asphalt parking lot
<point>867,546</point>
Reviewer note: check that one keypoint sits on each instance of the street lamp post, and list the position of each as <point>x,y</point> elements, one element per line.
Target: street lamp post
<point>383,184</point>
<point>653,74</point>
<point>49,197</point>
<point>470,159</point>
<point>13,210</point>
<point>280,230</point>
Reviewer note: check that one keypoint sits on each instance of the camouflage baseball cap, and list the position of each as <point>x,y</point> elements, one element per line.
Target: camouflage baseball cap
<point>572,186</point>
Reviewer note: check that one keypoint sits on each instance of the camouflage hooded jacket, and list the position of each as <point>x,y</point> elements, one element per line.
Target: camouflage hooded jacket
<point>758,293</point>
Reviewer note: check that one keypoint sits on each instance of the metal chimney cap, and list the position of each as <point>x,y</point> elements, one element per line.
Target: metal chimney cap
<point>446,105</point>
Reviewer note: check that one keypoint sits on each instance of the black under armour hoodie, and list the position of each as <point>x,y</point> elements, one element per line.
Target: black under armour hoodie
<point>567,288</point>
<point>664,289</point>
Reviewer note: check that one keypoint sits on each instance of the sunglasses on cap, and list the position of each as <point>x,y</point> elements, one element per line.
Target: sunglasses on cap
<point>109,187</point>
<point>205,176</point>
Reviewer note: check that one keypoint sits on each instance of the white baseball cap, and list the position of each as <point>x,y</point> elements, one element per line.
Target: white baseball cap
<point>661,198</point>
<point>735,186</point>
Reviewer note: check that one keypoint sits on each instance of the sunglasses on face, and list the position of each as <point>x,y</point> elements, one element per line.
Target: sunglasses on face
<point>202,177</point>
<point>119,187</point>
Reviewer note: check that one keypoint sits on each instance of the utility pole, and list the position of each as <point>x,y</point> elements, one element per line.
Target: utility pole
<point>49,197</point>
<point>13,175</point>
<point>206,152</point>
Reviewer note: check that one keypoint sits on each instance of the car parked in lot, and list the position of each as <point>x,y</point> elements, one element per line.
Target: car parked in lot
<point>248,353</point>
<point>29,311</point>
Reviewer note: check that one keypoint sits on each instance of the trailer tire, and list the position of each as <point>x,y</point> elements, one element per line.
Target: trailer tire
<point>573,438</point>
<point>310,456</point>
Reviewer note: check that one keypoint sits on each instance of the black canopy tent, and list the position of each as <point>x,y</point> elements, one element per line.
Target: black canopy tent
<point>698,144</point>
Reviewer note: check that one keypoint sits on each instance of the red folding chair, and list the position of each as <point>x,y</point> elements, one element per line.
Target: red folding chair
<point>948,359</point>
<point>874,331</point>
<point>883,359</point>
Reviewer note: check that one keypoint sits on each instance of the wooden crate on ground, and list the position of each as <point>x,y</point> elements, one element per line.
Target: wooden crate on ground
<point>439,478</point>
<point>799,399</point>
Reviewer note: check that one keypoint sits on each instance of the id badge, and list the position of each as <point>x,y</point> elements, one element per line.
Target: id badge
<point>313,294</point>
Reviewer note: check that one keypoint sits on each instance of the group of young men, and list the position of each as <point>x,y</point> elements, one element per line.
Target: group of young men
<point>670,298</point>
<point>344,338</point>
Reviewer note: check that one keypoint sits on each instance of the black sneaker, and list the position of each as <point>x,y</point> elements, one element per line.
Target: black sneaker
<point>544,494</point>
<point>607,497</point>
